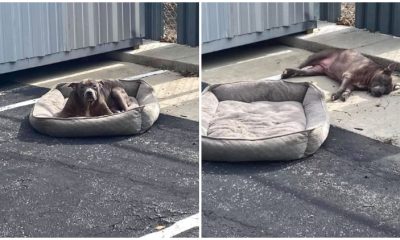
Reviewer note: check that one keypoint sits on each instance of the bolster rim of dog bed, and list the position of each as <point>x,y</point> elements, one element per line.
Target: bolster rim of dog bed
<point>42,117</point>
<point>288,146</point>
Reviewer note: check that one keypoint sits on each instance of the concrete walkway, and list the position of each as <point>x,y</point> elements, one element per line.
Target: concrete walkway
<point>176,57</point>
<point>384,49</point>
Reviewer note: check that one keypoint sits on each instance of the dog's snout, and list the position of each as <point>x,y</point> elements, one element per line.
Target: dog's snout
<point>377,91</point>
<point>90,94</point>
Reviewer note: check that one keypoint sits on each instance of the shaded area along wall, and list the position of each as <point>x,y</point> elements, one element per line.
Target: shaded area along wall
<point>381,17</point>
<point>36,34</point>
<point>226,25</point>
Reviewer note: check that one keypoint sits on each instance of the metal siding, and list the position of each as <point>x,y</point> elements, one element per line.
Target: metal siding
<point>395,21</point>
<point>372,13</point>
<point>381,17</point>
<point>233,20</point>
<point>330,11</point>
<point>29,30</point>
<point>188,24</point>
<point>384,18</point>
<point>154,23</point>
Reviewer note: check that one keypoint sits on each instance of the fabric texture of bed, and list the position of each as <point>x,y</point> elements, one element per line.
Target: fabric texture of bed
<point>43,115</point>
<point>262,120</point>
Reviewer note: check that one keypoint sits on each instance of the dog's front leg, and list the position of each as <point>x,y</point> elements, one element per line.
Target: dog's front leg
<point>344,86</point>
<point>346,93</point>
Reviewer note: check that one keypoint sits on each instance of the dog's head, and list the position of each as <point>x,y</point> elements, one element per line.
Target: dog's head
<point>87,90</point>
<point>382,82</point>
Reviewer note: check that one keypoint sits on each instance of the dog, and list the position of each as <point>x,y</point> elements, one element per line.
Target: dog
<point>91,98</point>
<point>349,67</point>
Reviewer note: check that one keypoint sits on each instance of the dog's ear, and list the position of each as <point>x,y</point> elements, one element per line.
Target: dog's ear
<point>101,83</point>
<point>73,85</point>
<point>389,69</point>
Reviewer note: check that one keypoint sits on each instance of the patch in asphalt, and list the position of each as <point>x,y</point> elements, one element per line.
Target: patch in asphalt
<point>104,187</point>
<point>349,188</point>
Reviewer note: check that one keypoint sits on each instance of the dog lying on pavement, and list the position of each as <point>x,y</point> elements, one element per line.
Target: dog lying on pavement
<point>91,98</point>
<point>349,67</point>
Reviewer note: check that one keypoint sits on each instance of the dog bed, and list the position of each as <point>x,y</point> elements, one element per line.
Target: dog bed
<point>43,115</point>
<point>268,120</point>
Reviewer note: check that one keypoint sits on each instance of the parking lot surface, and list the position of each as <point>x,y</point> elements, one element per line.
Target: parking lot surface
<point>348,188</point>
<point>101,186</point>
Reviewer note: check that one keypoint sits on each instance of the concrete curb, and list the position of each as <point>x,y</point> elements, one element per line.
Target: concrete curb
<point>315,45</point>
<point>154,61</point>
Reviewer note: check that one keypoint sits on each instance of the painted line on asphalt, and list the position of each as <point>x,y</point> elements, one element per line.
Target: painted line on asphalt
<point>78,74</point>
<point>33,101</point>
<point>145,75</point>
<point>177,228</point>
<point>20,104</point>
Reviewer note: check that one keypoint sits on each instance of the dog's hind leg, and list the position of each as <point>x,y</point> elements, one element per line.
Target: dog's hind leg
<point>122,98</point>
<point>318,57</point>
<point>307,71</point>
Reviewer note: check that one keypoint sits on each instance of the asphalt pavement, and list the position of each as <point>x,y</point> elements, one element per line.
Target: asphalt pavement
<point>93,187</point>
<point>348,188</point>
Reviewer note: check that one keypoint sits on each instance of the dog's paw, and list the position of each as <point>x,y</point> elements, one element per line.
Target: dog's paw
<point>287,73</point>
<point>344,96</point>
<point>335,96</point>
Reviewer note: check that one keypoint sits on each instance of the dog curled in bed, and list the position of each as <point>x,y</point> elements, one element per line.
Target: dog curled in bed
<point>91,98</point>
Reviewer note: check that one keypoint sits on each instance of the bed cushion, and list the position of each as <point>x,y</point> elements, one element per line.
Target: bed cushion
<point>261,119</point>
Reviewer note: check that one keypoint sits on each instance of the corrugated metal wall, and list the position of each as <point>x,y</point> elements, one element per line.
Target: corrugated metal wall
<point>329,11</point>
<point>31,30</point>
<point>226,25</point>
<point>382,17</point>
<point>188,24</point>
<point>154,21</point>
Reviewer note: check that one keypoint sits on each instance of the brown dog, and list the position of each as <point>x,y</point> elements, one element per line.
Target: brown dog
<point>350,68</point>
<point>91,98</point>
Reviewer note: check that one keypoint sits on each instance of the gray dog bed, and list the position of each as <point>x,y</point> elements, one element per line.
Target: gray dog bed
<point>43,115</point>
<point>262,120</point>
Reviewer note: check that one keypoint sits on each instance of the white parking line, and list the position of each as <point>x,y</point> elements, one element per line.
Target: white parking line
<point>78,74</point>
<point>177,228</point>
<point>145,75</point>
<point>33,101</point>
<point>17,105</point>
